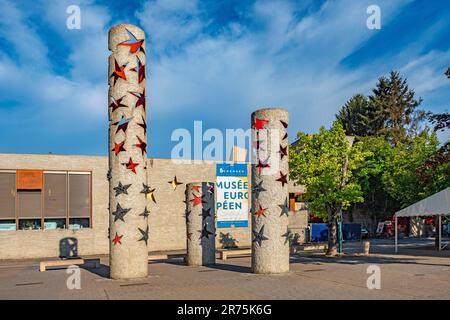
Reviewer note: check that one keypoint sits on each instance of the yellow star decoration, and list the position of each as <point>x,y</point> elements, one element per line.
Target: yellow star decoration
<point>151,195</point>
<point>175,183</point>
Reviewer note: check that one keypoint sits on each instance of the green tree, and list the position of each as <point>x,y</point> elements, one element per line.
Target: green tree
<point>359,118</point>
<point>324,164</point>
<point>378,204</point>
<point>406,179</point>
<point>402,118</point>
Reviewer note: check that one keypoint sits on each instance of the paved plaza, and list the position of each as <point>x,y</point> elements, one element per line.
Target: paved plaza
<point>417,272</point>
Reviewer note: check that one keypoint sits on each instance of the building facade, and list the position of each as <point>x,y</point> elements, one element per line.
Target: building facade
<point>50,201</point>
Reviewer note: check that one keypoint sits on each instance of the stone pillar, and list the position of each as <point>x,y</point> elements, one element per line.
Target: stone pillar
<point>200,224</point>
<point>270,197</point>
<point>128,221</point>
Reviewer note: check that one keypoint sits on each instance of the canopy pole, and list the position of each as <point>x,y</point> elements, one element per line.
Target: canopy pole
<point>396,235</point>
<point>439,233</point>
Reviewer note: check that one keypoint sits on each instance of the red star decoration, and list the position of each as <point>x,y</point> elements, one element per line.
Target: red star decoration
<point>116,104</point>
<point>131,165</point>
<point>143,125</point>
<point>133,43</point>
<point>261,212</point>
<point>283,151</point>
<point>141,99</point>
<point>119,72</point>
<point>119,147</point>
<point>117,239</point>
<point>282,179</point>
<point>285,125</point>
<point>262,164</point>
<point>259,124</point>
<point>140,69</point>
<point>197,200</point>
<point>141,145</point>
<point>196,188</point>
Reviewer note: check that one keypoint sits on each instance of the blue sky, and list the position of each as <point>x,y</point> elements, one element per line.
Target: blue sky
<point>215,61</point>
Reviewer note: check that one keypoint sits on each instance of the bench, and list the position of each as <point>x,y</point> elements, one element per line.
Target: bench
<point>89,263</point>
<point>157,257</point>
<point>224,254</point>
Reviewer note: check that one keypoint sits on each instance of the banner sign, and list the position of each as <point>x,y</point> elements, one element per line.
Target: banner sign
<point>232,195</point>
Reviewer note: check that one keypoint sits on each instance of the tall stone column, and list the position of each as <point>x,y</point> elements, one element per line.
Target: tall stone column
<point>200,224</point>
<point>270,197</point>
<point>128,221</point>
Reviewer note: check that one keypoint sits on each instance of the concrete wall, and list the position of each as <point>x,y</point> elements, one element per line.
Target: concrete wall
<point>167,222</point>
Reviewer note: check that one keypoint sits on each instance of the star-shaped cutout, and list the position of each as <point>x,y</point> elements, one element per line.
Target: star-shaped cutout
<point>122,124</point>
<point>141,145</point>
<point>116,104</point>
<point>120,213</point>
<point>140,98</point>
<point>133,43</point>
<point>121,188</point>
<point>118,147</point>
<point>197,200</point>
<point>287,236</point>
<point>283,152</point>
<point>205,233</point>
<point>187,213</point>
<point>261,212</point>
<point>145,214</point>
<point>259,124</point>
<point>175,183</point>
<point>117,239</point>
<point>188,235</point>
<point>285,136</point>
<point>258,188</point>
<point>145,189</point>
<point>282,179</point>
<point>259,237</point>
<point>284,208</point>
<point>109,174</point>
<point>262,164</point>
<point>118,73</point>
<point>131,165</point>
<point>205,213</point>
<point>211,188</point>
<point>285,125</point>
<point>143,125</point>
<point>447,73</point>
<point>144,234</point>
<point>140,69</point>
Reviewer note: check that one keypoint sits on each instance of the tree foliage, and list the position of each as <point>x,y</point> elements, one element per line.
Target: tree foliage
<point>324,164</point>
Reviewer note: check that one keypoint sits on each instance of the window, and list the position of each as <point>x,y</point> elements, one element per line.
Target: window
<point>7,201</point>
<point>79,200</point>
<point>30,209</point>
<point>36,199</point>
<point>55,200</point>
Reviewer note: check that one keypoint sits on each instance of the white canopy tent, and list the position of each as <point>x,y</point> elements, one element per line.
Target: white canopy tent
<point>436,205</point>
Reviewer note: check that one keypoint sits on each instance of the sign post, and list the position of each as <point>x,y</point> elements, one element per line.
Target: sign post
<point>232,195</point>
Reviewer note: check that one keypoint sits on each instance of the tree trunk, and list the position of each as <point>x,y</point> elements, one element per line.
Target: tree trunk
<point>332,234</point>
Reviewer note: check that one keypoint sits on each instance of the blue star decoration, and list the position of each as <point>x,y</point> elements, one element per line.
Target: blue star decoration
<point>259,236</point>
<point>258,188</point>
<point>144,234</point>
<point>287,236</point>
<point>284,208</point>
<point>120,213</point>
<point>205,233</point>
<point>121,189</point>
<point>145,214</point>
<point>122,124</point>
